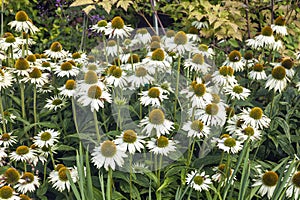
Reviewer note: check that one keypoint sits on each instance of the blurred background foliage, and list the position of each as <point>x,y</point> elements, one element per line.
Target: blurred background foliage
<point>229,21</point>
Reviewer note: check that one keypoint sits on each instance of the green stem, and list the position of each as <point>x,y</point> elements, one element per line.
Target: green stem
<point>158,193</point>
<point>83,33</point>
<point>130,175</point>
<point>34,109</point>
<point>118,51</point>
<point>104,47</point>
<point>96,126</point>
<point>109,184</point>
<point>190,152</point>
<point>52,159</point>
<point>74,115</point>
<point>2,16</point>
<point>177,86</point>
<point>22,90</point>
<point>2,114</point>
<point>119,118</point>
<point>45,173</point>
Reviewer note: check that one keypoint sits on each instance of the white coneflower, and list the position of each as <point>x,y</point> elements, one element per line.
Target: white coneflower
<point>196,128</point>
<point>198,181</point>
<point>46,138</point>
<point>69,89</point>
<point>23,154</point>
<point>222,174</point>
<point>66,69</point>
<point>11,176</point>
<point>3,155</point>
<point>100,27</point>
<point>288,64</point>
<point>27,183</point>
<point>154,97</point>
<point>279,26</point>
<point>234,124</point>
<point>7,139</point>
<point>298,86</point>
<point>293,188</point>
<point>25,39</point>
<point>8,193</point>
<point>212,115</point>
<point>108,154</point>
<point>56,51</point>
<point>112,49</point>
<point>9,42</point>
<point>193,35</point>
<point>277,80</point>
<point>200,24</point>
<point>117,78</point>
<point>23,23</point>
<point>249,59</point>
<point>55,103</point>
<point>142,36</point>
<point>224,76</point>
<point>180,44</point>
<point>22,67</point>
<point>197,64</point>
<point>36,77</point>
<point>6,79</point>
<point>255,118</point>
<point>59,178</point>
<point>264,40</point>
<point>246,132</point>
<point>229,144</point>
<point>161,146</point>
<point>117,28</point>
<point>258,72</point>
<point>95,97</point>
<point>79,58</point>
<point>140,78</point>
<point>46,66</point>
<point>235,60</point>
<point>90,79</point>
<point>157,62</point>
<point>267,182</point>
<point>130,141</point>
<point>237,92</point>
<point>156,123</point>
<point>205,50</point>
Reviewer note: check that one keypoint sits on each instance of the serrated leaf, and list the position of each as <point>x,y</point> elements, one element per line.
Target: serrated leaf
<point>124,4</point>
<point>81,3</point>
<point>106,5</point>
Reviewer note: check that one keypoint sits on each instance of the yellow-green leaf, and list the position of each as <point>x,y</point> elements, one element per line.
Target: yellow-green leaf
<point>106,5</point>
<point>88,9</point>
<point>81,3</point>
<point>124,4</point>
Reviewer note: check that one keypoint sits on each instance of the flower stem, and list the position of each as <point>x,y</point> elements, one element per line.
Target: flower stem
<point>52,159</point>
<point>130,175</point>
<point>109,184</point>
<point>158,193</point>
<point>96,125</point>
<point>177,86</point>
<point>2,114</point>
<point>190,153</point>
<point>34,109</point>
<point>74,115</point>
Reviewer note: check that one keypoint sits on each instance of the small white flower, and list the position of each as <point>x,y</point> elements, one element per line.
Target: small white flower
<point>224,76</point>
<point>161,145</point>
<point>22,23</point>
<point>198,181</point>
<point>66,69</point>
<point>23,154</point>
<point>258,72</point>
<point>235,60</point>
<point>59,178</point>
<point>255,118</point>
<point>197,64</point>
<point>237,92</point>
<point>8,193</point>
<point>117,28</point>
<point>229,145</point>
<point>7,139</point>
<point>27,183</point>
<point>56,102</point>
<point>154,97</point>
<point>196,128</point>
<point>277,80</point>
<point>46,138</point>
<point>212,115</point>
<point>129,140</point>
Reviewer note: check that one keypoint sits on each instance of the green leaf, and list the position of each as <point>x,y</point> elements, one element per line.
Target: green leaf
<point>284,125</point>
<point>63,147</point>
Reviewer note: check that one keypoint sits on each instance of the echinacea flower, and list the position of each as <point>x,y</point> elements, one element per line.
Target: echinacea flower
<point>112,49</point>
<point>10,42</point>
<point>66,69</point>
<point>56,51</point>
<point>6,79</point>
<point>197,64</point>
<point>196,128</point>
<point>237,92</point>
<point>140,78</point>
<point>288,64</point>
<point>69,89</point>
<point>100,27</point>
<point>142,36</point>
<point>23,23</point>
<point>205,50</point>
<point>27,183</point>
<point>117,78</point>
<point>36,77</point>
<point>235,60</point>
<point>198,181</point>
<point>154,97</point>
<point>7,139</point>
<point>223,173</point>
<point>11,176</point>
<point>8,193</point>
<point>212,115</point>
<point>46,138</point>
<point>257,72</point>
<point>59,178</point>
<point>293,188</point>
<point>246,132</point>
<point>161,146</point>
<point>180,43</point>
<point>156,123</point>
<point>264,40</point>
<point>267,182</point>
<point>129,140</point>
<point>277,80</point>
<point>55,103</point>
<point>23,153</point>
<point>224,76</point>
<point>157,62</point>
<point>279,26</point>
<point>255,118</point>
<point>229,144</point>
<point>108,154</point>
<point>22,67</point>
<point>117,28</point>
<point>95,97</point>
<point>199,96</point>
